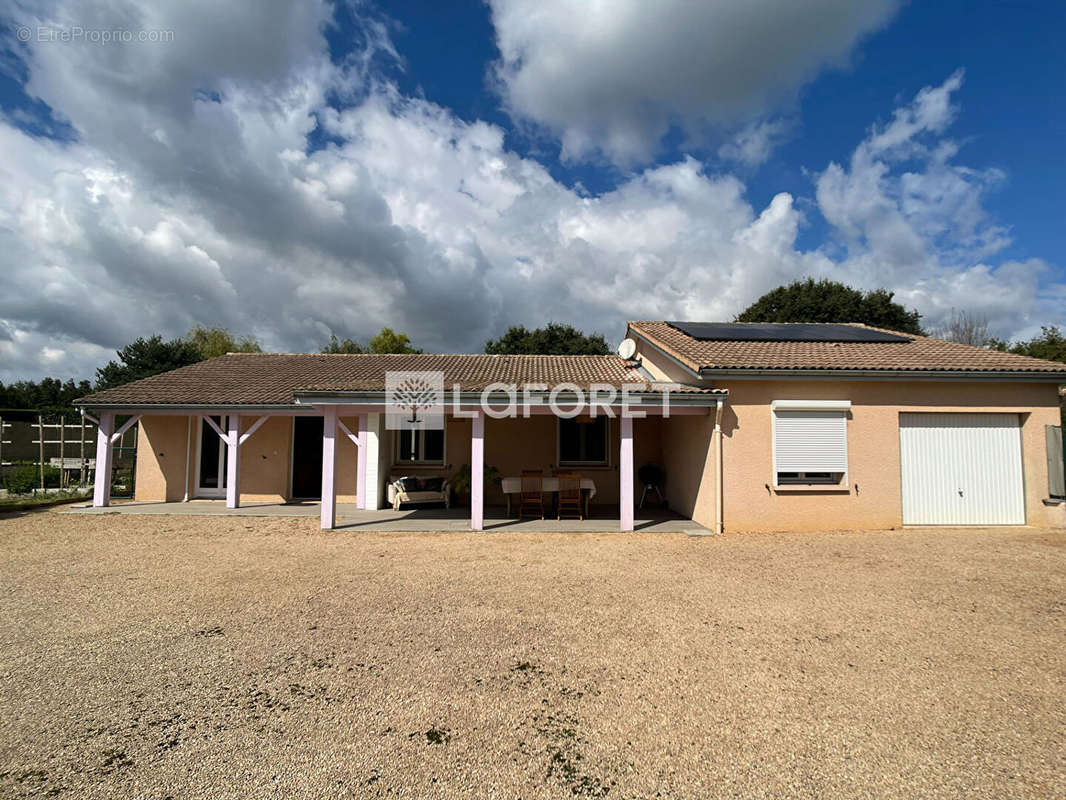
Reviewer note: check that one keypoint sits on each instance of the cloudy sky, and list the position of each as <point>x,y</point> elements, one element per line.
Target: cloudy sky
<point>292,169</point>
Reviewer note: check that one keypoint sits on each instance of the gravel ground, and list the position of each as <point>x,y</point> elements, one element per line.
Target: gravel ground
<point>261,658</point>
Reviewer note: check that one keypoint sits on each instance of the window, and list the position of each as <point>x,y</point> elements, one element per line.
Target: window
<point>810,440</point>
<point>420,447</point>
<point>583,441</point>
<point>785,478</point>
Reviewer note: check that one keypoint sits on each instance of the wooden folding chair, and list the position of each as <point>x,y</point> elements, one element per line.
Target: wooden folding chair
<point>531,499</point>
<point>569,495</point>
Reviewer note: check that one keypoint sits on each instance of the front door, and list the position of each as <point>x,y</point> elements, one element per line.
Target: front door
<point>211,466</point>
<point>307,458</point>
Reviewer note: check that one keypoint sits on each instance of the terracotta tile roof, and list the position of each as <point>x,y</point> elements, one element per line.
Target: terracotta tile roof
<point>275,378</point>
<point>920,354</point>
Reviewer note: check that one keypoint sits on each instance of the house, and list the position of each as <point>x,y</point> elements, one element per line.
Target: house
<point>756,426</point>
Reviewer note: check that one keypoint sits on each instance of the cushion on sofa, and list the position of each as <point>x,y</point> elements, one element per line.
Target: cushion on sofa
<point>412,483</point>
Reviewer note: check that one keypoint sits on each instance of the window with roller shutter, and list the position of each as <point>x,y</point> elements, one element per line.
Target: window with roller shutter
<point>810,442</point>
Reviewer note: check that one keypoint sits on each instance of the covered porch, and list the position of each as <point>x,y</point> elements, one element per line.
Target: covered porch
<point>341,449</point>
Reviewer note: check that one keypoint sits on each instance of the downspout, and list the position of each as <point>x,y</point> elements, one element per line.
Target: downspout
<point>719,482</point>
<point>188,450</point>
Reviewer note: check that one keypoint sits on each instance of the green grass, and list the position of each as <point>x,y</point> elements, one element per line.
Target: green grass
<point>26,502</point>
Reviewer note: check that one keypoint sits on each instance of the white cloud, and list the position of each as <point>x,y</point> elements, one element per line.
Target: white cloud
<point>910,218</point>
<point>611,78</point>
<point>174,208</point>
<point>753,143</point>
<point>930,112</point>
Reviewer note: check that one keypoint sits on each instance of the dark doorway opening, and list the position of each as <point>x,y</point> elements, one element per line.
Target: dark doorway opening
<point>307,458</point>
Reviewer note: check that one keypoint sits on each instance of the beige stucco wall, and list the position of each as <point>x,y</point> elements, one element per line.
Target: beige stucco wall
<point>683,445</point>
<point>161,460</point>
<point>872,498</point>
<point>162,466</point>
<point>688,459</point>
<point>347,462</point>
<point>265,460</point>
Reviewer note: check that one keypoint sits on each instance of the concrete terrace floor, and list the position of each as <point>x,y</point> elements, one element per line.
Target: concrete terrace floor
<point>429,519</point>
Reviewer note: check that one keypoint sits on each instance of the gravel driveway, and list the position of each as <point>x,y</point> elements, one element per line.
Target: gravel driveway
<point>261,658</point>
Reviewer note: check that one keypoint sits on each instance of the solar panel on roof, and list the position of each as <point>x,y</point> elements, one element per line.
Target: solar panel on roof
<point>782,332</point>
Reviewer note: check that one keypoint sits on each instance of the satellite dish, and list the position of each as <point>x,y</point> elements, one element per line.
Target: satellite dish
<point>627,349</point>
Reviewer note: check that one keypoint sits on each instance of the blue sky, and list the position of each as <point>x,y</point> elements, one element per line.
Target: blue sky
<point>295,169</point>
<point>1011,117</point>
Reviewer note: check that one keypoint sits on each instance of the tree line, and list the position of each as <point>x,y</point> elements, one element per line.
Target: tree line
<point>805,300</point>
<point>150,356</point>
<point>147,356</point>
<point>829,301</point>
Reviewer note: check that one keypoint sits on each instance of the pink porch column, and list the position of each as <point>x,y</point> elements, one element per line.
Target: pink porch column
<point>329,468</point>
<point>477,472</point>
<point>233,461</point>
<point>360,486</point>
<point>625,474</point>
<point>102,483</point>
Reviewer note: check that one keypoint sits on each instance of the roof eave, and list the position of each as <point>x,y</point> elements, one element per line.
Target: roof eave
<point>757,373</point>
<point>674,356</point>
<point>197,408</point>
<point>305,400</point>
<point>705,397</point>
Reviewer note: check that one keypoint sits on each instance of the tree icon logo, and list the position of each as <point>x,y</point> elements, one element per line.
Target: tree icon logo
<point>414,400</point>
<point>416,394</point>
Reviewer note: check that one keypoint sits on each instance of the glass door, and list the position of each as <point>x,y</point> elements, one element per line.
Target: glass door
<point>211,464</point>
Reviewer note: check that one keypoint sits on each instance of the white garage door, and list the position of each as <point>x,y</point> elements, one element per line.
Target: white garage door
<point>961,469</point>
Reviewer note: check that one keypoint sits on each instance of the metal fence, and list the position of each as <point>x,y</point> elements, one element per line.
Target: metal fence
<point>42,453</point>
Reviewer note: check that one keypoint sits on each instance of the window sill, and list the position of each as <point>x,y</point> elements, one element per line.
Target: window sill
<point>813,487</point>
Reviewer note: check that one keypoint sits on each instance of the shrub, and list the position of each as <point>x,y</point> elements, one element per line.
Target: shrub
<point>461,480</point>
<point>25,478</point>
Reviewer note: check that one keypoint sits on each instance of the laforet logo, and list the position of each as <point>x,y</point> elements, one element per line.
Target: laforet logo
<point>414,400</point>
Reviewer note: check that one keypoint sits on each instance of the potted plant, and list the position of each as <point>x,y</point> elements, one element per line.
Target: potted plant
<point>460,482</point>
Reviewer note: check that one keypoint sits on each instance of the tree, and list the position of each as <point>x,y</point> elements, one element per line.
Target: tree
<point>828,301</point>
<point>144,357</point>
<point>49,395</point>
<point>965,328</point>
<point>347,346</point>
<point>1050,345</point>
<point>388,341</point>
<point>214,342</point>
<point>555,339</point>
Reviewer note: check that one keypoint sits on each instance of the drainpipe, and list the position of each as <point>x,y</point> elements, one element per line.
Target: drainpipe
<point>188,450</point>
<point>719,483</point>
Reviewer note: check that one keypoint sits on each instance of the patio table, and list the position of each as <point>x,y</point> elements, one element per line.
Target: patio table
<point>514,486</point>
